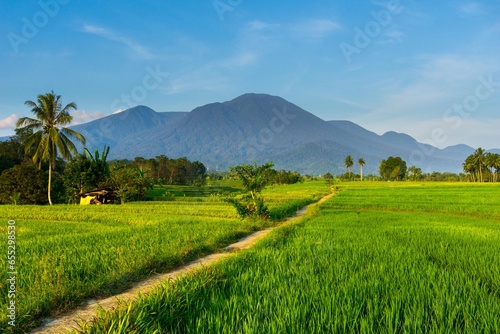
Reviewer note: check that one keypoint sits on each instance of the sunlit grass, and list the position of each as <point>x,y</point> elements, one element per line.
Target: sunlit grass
<point>383,259</point>
<point>67,253</point>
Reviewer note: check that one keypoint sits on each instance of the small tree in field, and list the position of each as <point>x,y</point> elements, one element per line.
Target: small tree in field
<point>254,179</point>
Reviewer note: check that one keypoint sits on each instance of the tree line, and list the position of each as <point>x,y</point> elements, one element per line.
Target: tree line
<point>395,169</point>
<point>23,182</point>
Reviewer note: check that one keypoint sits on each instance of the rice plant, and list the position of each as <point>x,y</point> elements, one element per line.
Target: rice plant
<point>381,259</point>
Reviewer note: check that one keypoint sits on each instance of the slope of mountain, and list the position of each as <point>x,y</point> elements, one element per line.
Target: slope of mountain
<point>260,127</point>
<point>112,129</point>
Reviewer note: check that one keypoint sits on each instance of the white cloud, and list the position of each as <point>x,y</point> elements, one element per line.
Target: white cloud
<point>138,49</point>
<point>427,92</point>
<point>470,8</point>
<point>313,28</point>
<point>81,116</point>
<point>392,36</point>
<point>260,25</point>
<point>9,122</point>
<point>240,60</point>
<point>316,29</point>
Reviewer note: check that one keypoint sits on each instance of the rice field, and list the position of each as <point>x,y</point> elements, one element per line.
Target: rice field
<point>66,254</point>
<point>376,258</point>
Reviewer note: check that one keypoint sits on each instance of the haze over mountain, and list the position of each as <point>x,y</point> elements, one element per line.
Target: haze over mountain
<point>261,128</point>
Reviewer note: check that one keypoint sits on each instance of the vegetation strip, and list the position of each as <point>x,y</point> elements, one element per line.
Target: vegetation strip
<point>85,314</point>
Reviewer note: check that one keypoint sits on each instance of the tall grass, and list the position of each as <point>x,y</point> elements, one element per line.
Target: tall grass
<point>368,262</point>
<point>67,253</point>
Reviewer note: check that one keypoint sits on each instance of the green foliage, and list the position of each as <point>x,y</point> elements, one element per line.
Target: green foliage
<point>392,169</point>
<point>284,177</point>
<point>25,180</point>
<point>100,164</point>
<point>167,171</point>
<point>348,162</point>
<point>129,182</point>
<point>82,174</point>
<point>248,206</point>
<point>15,198</point>
<point>10,153</point>
<point>414,173</point>
<point>254,179</point>
<point>481,166</point>
<point>440,177</point>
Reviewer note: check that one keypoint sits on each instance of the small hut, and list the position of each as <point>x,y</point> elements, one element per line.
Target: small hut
<point>100,196</point>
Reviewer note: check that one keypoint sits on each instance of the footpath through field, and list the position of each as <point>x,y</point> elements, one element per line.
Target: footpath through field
<point>70,320</point>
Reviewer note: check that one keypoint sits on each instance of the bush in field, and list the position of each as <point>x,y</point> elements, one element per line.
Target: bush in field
<point>393,169</point>
<point>284,177</point>
<point>254,179</point>
<point>129,182</point>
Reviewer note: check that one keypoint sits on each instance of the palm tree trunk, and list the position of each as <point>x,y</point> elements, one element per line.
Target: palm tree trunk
<point>50,182</point>
<point>361,173</point>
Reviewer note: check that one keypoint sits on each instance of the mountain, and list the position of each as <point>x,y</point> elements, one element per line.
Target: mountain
<point>112,129</point>
<point>261,128</point>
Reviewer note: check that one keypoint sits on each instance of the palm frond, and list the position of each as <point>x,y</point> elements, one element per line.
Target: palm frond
<point>33,140</point>
<point>65,146</point>
<point>27,121</point>
<point>74,134</point>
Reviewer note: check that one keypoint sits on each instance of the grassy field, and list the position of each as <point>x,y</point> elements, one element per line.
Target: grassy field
<point>377,258</point>
<point>67,253</point>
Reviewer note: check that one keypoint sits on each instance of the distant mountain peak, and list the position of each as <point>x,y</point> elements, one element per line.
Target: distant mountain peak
<point>139,109</point>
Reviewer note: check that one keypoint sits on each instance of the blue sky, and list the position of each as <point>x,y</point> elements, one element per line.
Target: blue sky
<point>427,68</point>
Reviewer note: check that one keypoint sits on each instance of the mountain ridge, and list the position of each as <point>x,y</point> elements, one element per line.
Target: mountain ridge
<point>260,128</point>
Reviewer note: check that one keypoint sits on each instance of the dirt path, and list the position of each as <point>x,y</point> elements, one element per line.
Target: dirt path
<point>70,320</point>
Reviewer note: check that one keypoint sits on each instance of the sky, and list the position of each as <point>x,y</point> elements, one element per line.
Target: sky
<point>430,69</point>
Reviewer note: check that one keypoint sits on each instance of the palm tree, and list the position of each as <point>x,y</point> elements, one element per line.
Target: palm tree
<point>361,163</point>
<point>349,163</point>
<point>470,168</point>
<point>478,160</point>
<point>492,160</point>
<point>48,136</point>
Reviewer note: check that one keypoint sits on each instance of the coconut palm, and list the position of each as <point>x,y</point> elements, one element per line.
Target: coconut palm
<point>492,160</point>
<point>479,161</point>
<point>469,167</point>
<point>361,163</point>
<point>48,136</point>
<point>349,163</point>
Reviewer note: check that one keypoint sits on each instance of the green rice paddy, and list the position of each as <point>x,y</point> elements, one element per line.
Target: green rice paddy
<point>376,258</point>
<point>66,254</point>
